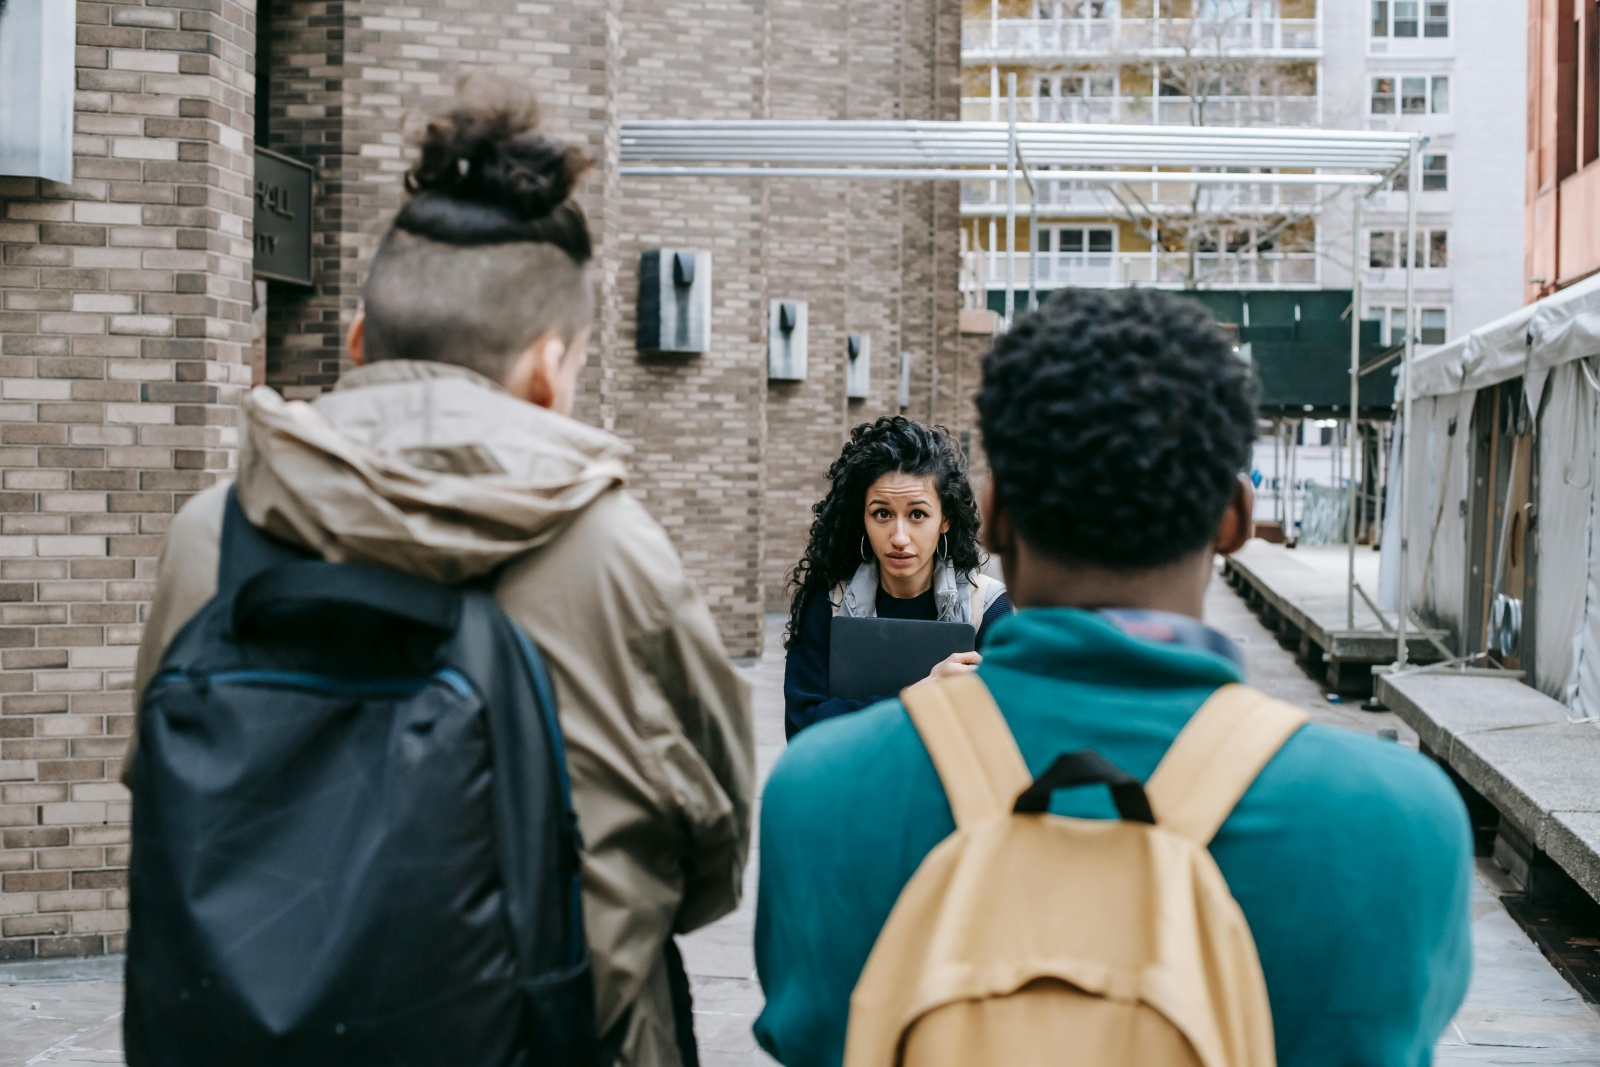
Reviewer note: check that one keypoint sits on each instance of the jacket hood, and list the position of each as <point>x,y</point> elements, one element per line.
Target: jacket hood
<point>424,467</point>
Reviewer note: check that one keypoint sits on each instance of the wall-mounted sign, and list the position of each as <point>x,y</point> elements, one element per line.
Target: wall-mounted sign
<point>38,73</point>
<point>283,219</point>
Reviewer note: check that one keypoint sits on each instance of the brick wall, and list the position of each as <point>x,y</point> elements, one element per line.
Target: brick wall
<point>124,301</point>
<point>125,306</point>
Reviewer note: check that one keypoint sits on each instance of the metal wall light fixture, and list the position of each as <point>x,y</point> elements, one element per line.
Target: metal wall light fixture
<point>858,368</point>
<point>675,301</point>
<point>787,329</point>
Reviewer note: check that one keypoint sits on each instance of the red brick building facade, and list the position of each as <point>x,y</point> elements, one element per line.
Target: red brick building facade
<point>1563,224</point>
<point>126,301</point>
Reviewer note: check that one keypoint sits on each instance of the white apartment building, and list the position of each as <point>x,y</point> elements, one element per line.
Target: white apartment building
<point>1453,69</point>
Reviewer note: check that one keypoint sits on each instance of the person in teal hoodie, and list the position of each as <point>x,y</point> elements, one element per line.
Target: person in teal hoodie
<point>1117,426</point>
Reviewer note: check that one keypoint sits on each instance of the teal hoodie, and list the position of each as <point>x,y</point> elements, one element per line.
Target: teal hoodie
<point>1351,857</point>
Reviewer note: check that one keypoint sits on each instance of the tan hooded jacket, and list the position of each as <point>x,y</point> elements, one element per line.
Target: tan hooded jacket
<point>433,470</point>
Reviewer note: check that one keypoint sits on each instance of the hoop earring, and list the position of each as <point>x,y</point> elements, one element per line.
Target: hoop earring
<point>864,557</point>
<point>944,547</point>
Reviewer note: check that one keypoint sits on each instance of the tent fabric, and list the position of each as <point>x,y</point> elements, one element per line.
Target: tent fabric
<point>1566,326</point>
<point>1438,475</point>
<point>1493,353</point>
<point>1389,543</point>
<point>1567,467</point>
<point>1438,373</point>
<point>1549,345</point>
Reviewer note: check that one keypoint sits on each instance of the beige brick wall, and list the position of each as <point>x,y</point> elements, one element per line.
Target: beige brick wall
<point>125,301</point>
<point>123,306</point>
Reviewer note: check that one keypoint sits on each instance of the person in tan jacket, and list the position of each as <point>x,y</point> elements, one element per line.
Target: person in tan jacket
<point>449,454</point>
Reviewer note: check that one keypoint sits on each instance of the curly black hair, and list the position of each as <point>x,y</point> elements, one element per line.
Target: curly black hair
<point>892,445</point>
<point>1116,424</point>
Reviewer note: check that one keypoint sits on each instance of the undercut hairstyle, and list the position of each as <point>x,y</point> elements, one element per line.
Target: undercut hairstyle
<point>489,253</point>
<point>1117,423</point>
<point>892,445</point>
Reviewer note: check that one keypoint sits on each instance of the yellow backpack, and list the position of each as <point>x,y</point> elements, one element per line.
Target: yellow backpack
<point>1025,938</point>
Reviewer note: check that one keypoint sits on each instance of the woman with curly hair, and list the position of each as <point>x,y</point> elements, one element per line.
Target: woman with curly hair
<point>896,537</point>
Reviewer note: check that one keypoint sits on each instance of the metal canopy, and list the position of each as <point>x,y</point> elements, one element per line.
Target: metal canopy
<point>938,147</point>
<point>1095,154</point>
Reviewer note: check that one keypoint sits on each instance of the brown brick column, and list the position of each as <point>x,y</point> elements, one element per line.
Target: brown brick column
<point>348,79</point>
<point>123,338</point>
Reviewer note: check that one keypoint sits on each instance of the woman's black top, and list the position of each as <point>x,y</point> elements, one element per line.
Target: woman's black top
<point>805,673</point>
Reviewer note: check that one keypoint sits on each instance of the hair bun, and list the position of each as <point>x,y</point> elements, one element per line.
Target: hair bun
<point>486,149</point>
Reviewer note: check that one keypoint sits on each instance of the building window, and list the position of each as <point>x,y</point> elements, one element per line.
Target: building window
<point>1411,95</point>
<point>1065,10</point>
<point>1436,19</point>
<point>1385,249</point>
<point>1077,241</point>
<point>1434,326</point>
<point>1435,175</point>
<point>1059,97</point>
<point>1410,18</point>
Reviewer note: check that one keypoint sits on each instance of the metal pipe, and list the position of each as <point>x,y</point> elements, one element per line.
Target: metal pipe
<point>1096,177</point>
<point>1011,200</point>
<point>1355,400</point>
<point>1413,177</point>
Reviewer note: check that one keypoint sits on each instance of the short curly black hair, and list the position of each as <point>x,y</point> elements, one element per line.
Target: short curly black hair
<point>1117,423</point>
<point>891,445</point>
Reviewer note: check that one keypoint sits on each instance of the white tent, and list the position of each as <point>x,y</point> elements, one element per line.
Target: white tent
<point>1552,345</point>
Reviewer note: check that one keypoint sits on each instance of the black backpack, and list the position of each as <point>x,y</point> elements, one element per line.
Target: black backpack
<point>353,838</point>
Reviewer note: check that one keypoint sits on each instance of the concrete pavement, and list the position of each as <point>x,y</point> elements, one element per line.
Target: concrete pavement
<point>1519,1011</point>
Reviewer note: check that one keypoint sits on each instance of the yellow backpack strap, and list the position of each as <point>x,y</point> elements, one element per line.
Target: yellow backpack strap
<point>1216,758</point>
<point>978,761</point>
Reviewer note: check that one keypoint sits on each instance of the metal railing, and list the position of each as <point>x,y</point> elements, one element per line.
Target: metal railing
<point>1021,38</point>
<point>1151,111</point>
<point>1169,270</point>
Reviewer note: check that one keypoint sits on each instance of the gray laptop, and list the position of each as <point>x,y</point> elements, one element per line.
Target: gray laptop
<point>869,659</point>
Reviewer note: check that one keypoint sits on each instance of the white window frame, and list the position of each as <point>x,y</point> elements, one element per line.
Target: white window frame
<point>1427,15</point>
<point>1441,169</point>
<point>1055,82</point>
<point>1435,92</point>
<point>1392,318</point>
<point>1397,241</point>
<point>1051,236</point>
<point>1068,11</point>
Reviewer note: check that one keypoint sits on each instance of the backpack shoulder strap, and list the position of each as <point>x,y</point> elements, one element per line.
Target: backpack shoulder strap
<point>246,551</point>
<point>978,761</point>
<point>1217,757</point>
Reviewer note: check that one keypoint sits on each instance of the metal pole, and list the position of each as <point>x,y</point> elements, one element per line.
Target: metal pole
<point>1011,200</point>
<point>1402,477</point>
<point>1033,247</point>
<point>1355,400</point>
<point>1292,448</point>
